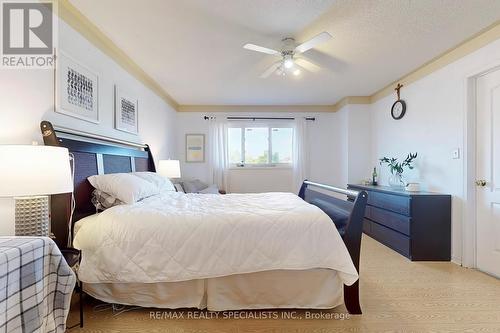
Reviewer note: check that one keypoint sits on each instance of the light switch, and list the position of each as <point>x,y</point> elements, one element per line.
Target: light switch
<point>455,154</point>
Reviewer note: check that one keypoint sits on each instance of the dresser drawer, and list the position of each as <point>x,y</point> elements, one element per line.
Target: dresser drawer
<point>395,203</point>
<point>392,220</point>
<point>391,238</point>
<point>367,226</point>
<point>368,211</point>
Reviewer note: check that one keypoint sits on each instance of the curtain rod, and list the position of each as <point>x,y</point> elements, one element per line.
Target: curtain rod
<point>258,118</point>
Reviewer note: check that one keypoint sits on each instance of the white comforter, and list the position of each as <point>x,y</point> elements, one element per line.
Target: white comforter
<point>177,237</point>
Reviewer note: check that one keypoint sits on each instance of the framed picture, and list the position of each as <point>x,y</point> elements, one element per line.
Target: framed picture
<point>195,148</point>
<point>77,90</point>
<point>126,112</point>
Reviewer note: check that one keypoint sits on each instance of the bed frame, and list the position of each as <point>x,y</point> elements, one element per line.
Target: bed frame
<point>94,155</point>
<point>348,217</point>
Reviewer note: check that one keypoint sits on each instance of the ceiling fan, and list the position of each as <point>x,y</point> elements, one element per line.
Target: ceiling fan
<point>289,61</point>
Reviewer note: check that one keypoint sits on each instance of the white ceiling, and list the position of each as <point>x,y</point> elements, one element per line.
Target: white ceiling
<point>193,48</point>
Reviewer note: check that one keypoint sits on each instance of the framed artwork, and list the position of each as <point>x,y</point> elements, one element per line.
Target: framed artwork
<point>77,90</point>
<point>195,148</point>
<point>126,112</point>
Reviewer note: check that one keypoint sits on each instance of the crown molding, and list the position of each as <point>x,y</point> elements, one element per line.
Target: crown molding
<point>255,108</point>
<point>75,19</point>
<point>350,100</point>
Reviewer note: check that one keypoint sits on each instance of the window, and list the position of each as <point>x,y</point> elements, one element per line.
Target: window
<point>260,145</point>
<point>256,145</point>
<point>281,139</point>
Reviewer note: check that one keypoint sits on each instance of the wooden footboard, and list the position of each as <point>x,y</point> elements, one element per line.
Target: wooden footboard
<point>348,218</point>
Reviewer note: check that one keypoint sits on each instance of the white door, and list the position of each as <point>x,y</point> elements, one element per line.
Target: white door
<point>488,173</point>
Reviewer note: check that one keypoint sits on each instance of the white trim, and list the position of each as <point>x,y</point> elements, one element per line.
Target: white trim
<point>100,164</point>
<point>69,133</point>
<point>469,164</point>
<point>281,166</point>
<point>132,163</point>
<point>469,223</point>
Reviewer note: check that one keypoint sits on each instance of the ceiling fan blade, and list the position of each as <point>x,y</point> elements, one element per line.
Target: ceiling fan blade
<point>307,65</point>
<point>262,49</point>
<point>316,40</point>
<point>270,70</point>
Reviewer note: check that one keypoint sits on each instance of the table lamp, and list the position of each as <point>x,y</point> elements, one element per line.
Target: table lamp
<point>169,168</point>
<point>29,174</point>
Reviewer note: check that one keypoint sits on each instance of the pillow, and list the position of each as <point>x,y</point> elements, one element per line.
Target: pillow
<point>193,186</point>
<point>212,189</point>
<point>124,186</point>
<point>103,200</point>
<point>162,183</point>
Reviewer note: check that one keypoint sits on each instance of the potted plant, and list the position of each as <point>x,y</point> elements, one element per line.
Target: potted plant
<point>397,168</point>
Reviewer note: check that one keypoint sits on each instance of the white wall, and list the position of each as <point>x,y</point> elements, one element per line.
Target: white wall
<point>327,144</point>
<point>433,126</point>
<point>27,97</point>
<point>258,180</point>
<point>192,123</point>
<point>358,128</point>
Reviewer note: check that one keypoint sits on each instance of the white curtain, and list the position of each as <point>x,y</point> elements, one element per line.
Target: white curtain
<point>218,153</point>
<point>299,153</point>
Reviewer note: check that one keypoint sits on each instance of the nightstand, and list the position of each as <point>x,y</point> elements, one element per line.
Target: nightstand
<point>73,258</point>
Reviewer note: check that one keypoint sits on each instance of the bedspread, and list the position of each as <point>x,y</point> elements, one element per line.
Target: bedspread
<point>178,237</point>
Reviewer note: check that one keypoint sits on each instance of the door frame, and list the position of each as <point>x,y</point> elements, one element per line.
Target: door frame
<point>469,219</point>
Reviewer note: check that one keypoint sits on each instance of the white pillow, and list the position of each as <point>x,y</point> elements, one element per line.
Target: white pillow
<point>124,186</point>
<point>212,189</point>
<point>162,183</point>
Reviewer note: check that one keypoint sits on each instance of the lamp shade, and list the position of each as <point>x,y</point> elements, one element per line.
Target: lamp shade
<point>169,168</point>
<point>34,170</point>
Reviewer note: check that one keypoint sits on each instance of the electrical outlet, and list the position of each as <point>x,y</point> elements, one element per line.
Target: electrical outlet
<point>455,154</point>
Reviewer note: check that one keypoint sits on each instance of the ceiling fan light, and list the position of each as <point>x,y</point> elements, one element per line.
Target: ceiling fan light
<point>288,63</point>
<point>296,72</point>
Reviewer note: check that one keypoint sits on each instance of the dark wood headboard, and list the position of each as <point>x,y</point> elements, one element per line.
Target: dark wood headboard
<point>91,156</point>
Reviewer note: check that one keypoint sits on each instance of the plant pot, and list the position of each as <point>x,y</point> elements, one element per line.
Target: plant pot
<point>396,181</point>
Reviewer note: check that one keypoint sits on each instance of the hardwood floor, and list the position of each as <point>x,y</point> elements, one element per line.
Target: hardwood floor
<point>397,296</point>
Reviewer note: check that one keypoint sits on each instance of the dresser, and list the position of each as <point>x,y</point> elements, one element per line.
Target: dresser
<point>415,224</point>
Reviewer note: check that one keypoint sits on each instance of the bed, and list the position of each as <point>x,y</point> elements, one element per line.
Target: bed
<point>220,252</point>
